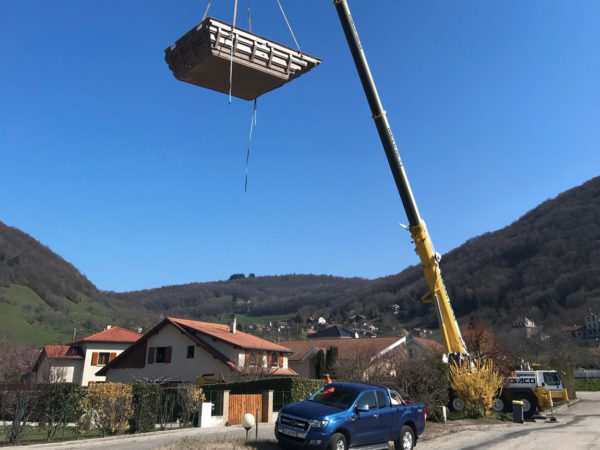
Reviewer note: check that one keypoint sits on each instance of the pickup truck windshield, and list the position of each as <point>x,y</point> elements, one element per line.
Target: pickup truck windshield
<point>337,396</point>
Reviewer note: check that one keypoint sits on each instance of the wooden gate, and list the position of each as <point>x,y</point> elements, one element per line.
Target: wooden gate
<point>240,404</point>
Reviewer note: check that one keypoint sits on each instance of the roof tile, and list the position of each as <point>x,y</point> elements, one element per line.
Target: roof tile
<point>63,351</point>
<point>223,332</point>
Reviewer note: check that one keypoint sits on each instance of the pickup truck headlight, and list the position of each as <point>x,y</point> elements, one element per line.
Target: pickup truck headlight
<point>318,423</point>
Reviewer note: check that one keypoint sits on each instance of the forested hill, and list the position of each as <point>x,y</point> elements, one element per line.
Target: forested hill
<point>545,265</point>
<point>43,297</point>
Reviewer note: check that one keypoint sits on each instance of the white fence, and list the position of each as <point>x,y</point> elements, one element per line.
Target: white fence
<point>585,373</point>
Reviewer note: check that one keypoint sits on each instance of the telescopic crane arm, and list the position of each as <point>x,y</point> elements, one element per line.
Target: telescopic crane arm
<point>424,247</point>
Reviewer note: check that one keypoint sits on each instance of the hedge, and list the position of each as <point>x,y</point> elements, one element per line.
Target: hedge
<point>298,387</point>
<point>145,401</point>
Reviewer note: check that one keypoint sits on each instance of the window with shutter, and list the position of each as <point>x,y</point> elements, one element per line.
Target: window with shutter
<point>247,359</point>
<point>281,360</point>
<point>113,355</point>
<point>151,355</point>
<point>95,359</point>
<point>168,354</point>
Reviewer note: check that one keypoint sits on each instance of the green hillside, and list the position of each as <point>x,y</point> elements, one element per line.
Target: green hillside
<point>27,318</point>
<point>43,298</point>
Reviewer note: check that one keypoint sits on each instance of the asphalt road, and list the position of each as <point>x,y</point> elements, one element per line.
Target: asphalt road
<point>577,427</point>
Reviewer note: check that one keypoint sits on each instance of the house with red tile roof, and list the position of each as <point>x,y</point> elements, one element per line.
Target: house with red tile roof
<point>304,358</point>
<point>78,361</point>
<point>181,351</point>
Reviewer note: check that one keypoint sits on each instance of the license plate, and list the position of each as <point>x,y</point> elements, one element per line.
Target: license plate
<point>291,433</point>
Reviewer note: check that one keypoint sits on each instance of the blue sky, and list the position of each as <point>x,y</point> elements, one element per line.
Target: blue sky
<point>137,178</point>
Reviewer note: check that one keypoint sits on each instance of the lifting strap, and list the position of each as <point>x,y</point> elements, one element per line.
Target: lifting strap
<point>252,124</point>
<point>232,45</point>
<point>288,24</point>
<point>249,20</point>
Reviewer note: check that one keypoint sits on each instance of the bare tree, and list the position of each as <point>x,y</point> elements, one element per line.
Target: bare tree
<point>15,360</point>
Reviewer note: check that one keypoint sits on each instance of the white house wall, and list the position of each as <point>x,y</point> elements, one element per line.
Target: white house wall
<point>89,371</point>
<point>59,370</point>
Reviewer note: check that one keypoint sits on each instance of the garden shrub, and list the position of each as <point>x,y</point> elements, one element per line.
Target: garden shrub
<point>167,407</point>
<point>188,397</point>
<point>109,406</point>
<point>422,380</point>
<point>476,385</point>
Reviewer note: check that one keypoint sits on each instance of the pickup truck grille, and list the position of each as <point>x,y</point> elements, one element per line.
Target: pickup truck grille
<point>295,423</point>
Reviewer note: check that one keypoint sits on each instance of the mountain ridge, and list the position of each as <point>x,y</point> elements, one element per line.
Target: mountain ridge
<point>545,264</point>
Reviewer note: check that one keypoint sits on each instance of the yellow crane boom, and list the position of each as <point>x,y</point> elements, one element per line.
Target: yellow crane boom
<point>424,247</point>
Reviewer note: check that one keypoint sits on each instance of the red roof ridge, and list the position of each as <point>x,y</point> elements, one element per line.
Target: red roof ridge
<point>223,333</point>
<point>112,334</point>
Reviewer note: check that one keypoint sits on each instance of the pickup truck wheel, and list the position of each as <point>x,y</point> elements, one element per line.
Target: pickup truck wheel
<point>337,442</point>
<point>498,404</point>
<point>406,441</point>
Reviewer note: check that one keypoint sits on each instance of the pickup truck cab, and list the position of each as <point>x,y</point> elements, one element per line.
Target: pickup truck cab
<point>340,416</point>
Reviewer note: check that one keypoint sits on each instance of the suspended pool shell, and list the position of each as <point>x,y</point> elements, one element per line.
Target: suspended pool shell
<point>203,56</point>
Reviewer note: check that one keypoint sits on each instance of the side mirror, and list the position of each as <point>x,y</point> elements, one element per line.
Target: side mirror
<point>308,394</point>
<point>362,408</point>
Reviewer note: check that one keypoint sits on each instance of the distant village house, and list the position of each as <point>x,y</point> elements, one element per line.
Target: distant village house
<point>525,326</point>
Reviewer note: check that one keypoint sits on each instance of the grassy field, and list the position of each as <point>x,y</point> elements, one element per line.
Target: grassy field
<point>587,384</point>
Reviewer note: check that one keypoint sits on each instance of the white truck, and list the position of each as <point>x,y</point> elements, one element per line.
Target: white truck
<point>535,388</point>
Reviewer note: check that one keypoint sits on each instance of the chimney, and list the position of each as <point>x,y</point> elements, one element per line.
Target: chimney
<point>233,326</point>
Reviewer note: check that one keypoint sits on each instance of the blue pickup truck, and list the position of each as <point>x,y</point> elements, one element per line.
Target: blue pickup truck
<point>340,416</point>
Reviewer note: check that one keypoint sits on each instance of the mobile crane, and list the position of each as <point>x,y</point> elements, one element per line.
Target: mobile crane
<point>423,245</point>
<point>534,388</point>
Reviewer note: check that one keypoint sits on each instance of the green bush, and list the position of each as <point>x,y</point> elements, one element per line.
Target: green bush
<point>145,401</point>
<point>298,387</point>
